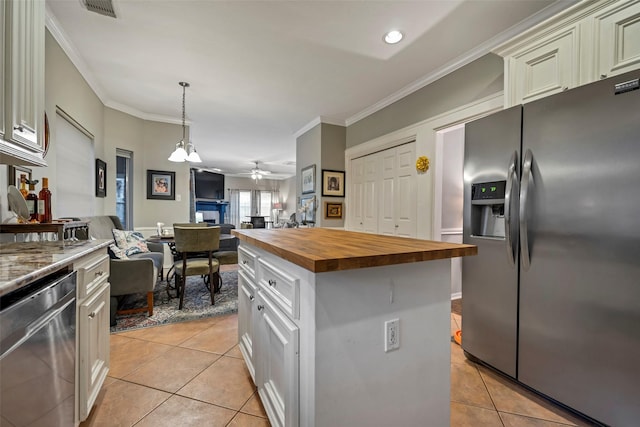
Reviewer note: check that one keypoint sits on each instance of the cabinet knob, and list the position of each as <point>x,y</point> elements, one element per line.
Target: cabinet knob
<point>18,128</point>
<point>99,273</point>
<point>565,88</point>
<point>92,314</point>
<point>251,297</point>
<point>244,262</point>
<point>397,226</point>
<point>603,76</point>
<point>272,282</point>
<point>260,307</point>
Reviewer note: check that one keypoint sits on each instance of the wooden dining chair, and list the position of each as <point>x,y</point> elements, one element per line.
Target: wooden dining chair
<point>189,240</point>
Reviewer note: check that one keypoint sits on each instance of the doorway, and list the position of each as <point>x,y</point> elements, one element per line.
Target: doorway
<point>449,195</point>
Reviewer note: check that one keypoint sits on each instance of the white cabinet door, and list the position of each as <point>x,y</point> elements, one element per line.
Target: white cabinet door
<point>93,324</point>
<point>547,67</point>
<point>246,300</point>
<point>2,69</point>
<point>617,34</point>
<point>277,367</point>
<point>25,72</point>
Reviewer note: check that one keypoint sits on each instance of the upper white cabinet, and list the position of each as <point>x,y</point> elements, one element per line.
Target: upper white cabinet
<point>549,67</point>
<point>617,33</point>
<point>589,41</point>
<point>23,86</point>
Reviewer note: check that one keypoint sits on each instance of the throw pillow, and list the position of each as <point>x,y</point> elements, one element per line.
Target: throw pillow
<point>115,252</point>
<point>131,242</point>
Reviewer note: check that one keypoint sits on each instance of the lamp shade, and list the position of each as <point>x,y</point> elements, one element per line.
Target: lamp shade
<point>179,154</point>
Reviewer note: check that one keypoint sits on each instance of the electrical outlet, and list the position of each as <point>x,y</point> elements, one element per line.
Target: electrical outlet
<point>391,335</point>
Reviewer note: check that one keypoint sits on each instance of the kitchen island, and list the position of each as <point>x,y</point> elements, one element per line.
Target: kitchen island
<point>345,328</point>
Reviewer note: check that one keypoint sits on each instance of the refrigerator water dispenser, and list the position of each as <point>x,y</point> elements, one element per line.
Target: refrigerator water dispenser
<point>487,209</point>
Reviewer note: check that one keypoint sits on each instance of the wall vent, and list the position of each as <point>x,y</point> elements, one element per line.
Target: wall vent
<point>103,7</point>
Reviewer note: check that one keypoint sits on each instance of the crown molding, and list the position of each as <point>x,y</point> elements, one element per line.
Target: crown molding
<point>315,122</point>
<point>477,52</point>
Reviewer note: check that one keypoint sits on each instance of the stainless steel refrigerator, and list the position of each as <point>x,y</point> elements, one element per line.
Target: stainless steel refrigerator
<point>552,200</point>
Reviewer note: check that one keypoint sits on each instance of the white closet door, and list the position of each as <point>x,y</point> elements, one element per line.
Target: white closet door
<point>370,197</point>
<point>387,218</point>
<point>405,191</point>
<point>357,195</point>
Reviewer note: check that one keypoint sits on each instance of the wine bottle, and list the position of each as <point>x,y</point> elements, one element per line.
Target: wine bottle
<point>32,201</point>
<point>44,202</point>
<point>23,185</point>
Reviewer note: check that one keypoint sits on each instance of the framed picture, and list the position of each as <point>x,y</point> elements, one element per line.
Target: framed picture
<point>308,209</point>
<point>101,178</point>
<point>308,179</point>
<point>14,175</point>
<point>332,183</point>
<point>161,185</point>
<point>332,210</point>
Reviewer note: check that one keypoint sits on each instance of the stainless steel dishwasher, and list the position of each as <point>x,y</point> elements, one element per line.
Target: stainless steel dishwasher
<point>38,351</point>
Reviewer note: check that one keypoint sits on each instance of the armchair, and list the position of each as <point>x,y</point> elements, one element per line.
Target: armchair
<point>137,274</point>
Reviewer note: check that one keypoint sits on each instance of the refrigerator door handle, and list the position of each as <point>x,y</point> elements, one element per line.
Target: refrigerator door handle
<point>510,191</point>
<point>524,196</point>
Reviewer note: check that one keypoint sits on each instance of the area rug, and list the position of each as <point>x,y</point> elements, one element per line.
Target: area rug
<point>197,304</point>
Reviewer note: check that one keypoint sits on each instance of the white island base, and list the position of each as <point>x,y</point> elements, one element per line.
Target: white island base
<point>315,342</point>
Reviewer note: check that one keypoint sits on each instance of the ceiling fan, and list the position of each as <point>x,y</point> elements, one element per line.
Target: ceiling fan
<point>257,173</point>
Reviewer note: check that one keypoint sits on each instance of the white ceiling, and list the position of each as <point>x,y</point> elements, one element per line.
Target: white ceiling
<point>263,71</point>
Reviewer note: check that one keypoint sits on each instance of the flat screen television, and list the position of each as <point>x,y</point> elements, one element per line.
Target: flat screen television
<point>208,185</point>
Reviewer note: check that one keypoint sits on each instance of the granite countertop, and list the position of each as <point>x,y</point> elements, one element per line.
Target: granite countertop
<point>324,249</point>
<point>22,263</point>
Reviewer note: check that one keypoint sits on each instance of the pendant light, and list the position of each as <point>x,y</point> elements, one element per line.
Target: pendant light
<point>184,152</point>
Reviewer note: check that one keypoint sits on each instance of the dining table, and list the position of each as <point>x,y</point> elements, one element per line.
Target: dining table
<point>169,239</point>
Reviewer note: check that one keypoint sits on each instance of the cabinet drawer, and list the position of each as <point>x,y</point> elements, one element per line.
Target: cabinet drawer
<point>247,261</point>
<point>91,271</point>
<point>283,289</point>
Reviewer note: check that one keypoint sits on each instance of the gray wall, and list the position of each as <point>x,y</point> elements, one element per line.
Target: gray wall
<point>332,157</point>
<point>480,78</point>
<point>323,146</point>
<point>151,142</point>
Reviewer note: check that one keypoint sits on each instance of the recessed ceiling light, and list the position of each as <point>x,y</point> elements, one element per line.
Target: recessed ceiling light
<point>393,37</point>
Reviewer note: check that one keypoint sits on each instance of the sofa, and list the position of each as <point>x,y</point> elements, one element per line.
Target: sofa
<point>226,244</point>
<point>137,274</point>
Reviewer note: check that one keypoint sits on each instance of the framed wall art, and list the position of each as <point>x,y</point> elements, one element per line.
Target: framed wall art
<point>332,210</point>
<point>308,179</point>
<point>15,172</point>
<point>101,178</point>
<point>308,209</point>
<point>332,183</point>
<point>161,185</point>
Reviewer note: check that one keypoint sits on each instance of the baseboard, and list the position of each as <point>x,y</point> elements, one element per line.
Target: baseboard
<point>456,295</point>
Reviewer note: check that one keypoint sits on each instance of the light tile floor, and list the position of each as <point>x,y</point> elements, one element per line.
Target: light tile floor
<point>192,374</point>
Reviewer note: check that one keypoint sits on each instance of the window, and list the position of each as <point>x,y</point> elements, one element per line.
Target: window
<point>124,185</point>
<point>265,203</point>
<point>75,177</point>
<point>244,205</point>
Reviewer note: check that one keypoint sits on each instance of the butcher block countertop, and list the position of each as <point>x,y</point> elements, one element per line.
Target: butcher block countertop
<point>324,249</point>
